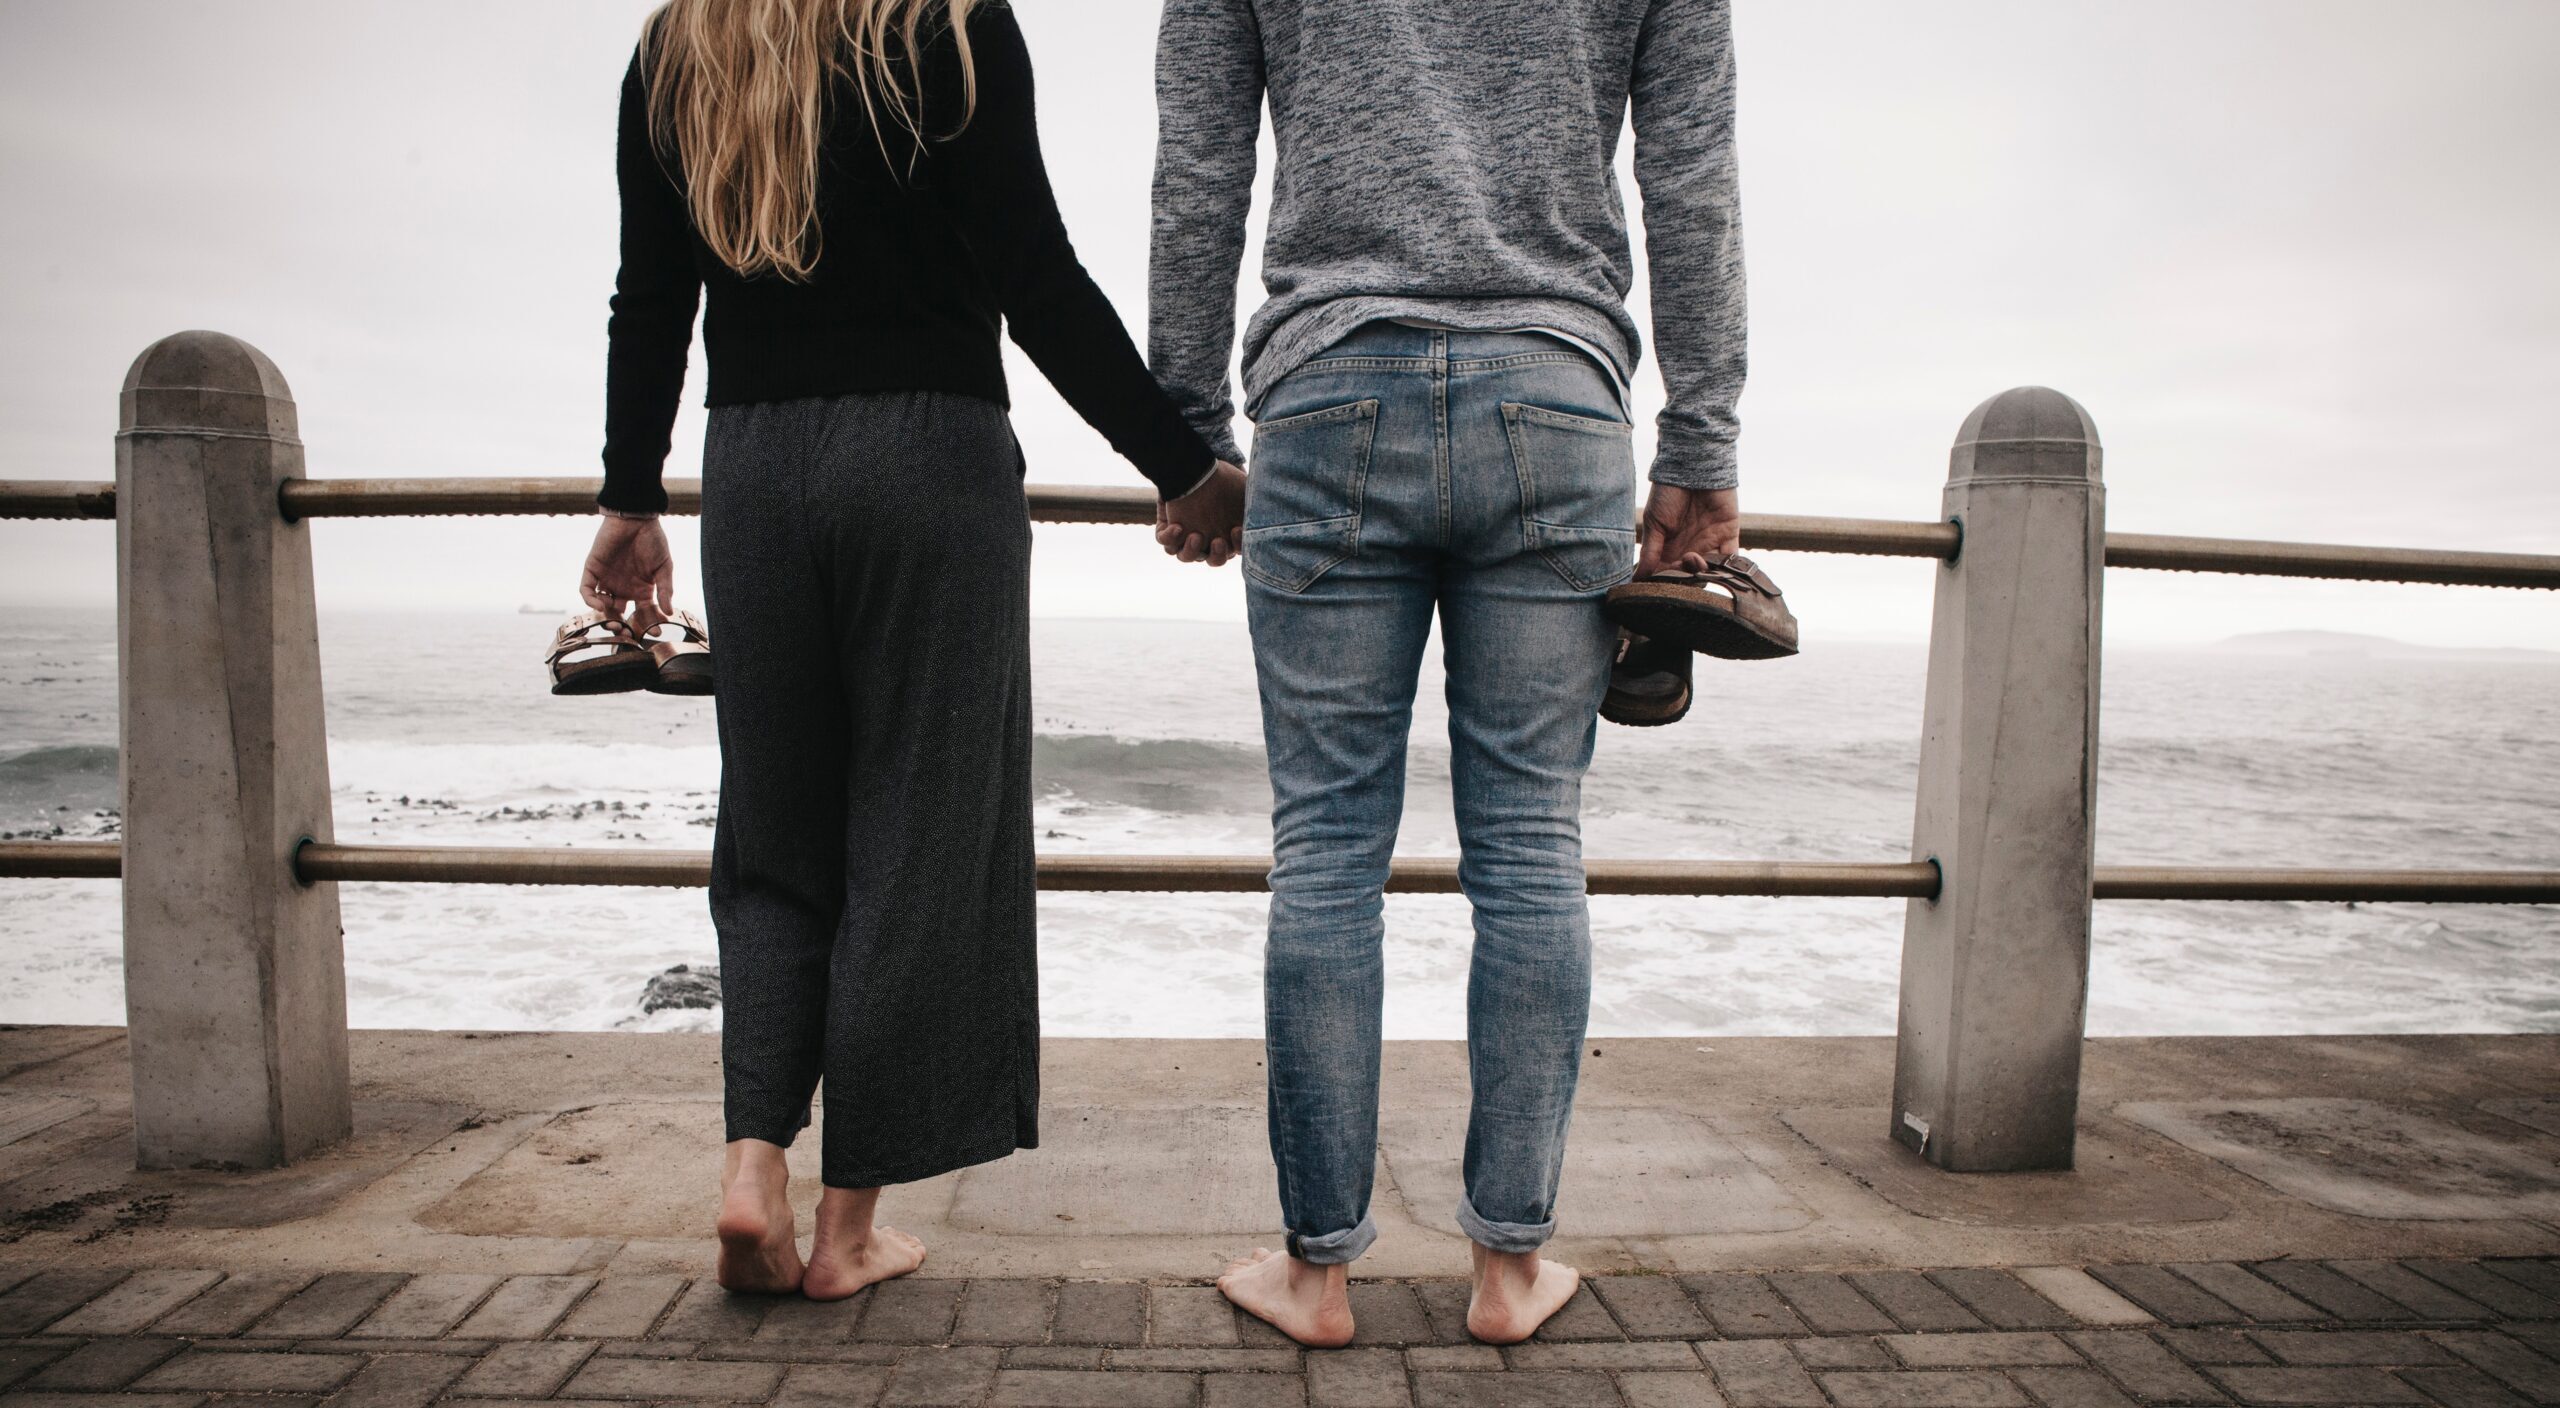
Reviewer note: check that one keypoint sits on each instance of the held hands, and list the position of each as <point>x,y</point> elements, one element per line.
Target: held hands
<point>630,568</point>
<point>1678,522</point>
<point>1207,524</point>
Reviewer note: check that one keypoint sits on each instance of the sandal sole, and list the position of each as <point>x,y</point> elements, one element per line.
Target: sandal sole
<point>1679,616</point>
<point>607,677</point>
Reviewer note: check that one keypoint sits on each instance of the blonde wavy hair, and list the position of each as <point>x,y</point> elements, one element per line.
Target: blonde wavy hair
<point>738,91</point>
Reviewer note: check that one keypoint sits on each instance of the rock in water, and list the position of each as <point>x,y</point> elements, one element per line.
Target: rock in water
<point>682,987</point>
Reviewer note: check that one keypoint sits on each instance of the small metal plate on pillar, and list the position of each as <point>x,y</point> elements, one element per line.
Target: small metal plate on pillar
<point>2367,1158</point>
<point>2543,1115</point>
<point>1635,1171</point>
<point>2110,1183</point>
<point>1101,1171</point>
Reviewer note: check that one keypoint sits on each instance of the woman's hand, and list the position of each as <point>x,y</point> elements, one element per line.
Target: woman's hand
<point>1207,524</point>
<point>629,568</point>
<point>1679,521</point>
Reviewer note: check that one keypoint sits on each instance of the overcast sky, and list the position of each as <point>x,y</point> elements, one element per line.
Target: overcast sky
<point>2296,256</point>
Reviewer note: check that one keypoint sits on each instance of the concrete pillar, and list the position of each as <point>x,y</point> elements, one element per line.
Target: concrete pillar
<point>1995,971</point>
<point>235,982</point>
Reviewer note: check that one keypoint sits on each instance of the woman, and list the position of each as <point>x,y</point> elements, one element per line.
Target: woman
<point>858,186</point>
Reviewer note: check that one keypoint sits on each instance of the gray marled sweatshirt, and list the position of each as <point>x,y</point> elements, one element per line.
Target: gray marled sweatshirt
<point>1451,161</point>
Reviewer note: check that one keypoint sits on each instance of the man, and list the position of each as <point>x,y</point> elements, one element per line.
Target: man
<point>1439,384</point>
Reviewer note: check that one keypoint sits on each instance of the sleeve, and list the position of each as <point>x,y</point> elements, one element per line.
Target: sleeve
<point>996,188</point>
<point>1683,100</point>
<point>651,328</point>
<point>1209,86</point>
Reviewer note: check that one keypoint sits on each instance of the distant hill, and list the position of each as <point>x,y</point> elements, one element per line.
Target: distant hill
<point>2348,644</point>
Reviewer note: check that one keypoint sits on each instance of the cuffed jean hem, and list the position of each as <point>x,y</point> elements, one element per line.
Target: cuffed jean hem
<point>1513,1237</point>
<point>784,1131</point>
<point>1334,1248</point>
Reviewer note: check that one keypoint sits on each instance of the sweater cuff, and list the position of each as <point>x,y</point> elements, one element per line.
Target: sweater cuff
<point>632,496</point>
<point>1695,462</point>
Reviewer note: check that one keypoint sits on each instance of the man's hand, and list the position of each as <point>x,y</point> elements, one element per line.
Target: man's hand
<point>630,567</point>
<point>1678,522</point>
<point>1207,524</point>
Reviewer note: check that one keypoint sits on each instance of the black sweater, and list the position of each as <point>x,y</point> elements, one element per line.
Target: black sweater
<point>917,271</point>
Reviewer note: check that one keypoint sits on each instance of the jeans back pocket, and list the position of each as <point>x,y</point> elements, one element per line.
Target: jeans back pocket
<point>1303,499</point>
<point>1577,492</point>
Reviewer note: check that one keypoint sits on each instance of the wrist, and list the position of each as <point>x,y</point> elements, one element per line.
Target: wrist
<point>629,515</point>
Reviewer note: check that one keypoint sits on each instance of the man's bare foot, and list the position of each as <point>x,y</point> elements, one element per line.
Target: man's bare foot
<point>850,1251</point>
<point>1310,1304</point>
<point>1515,1293</point>
<point>759,1248</point>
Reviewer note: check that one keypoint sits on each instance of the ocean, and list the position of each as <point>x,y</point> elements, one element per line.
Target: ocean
<point>441,732</point>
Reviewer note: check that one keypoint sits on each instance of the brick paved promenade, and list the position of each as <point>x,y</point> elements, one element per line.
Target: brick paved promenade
<point>2460,1334</point>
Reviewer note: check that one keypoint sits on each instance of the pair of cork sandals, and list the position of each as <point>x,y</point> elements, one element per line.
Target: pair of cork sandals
<point>593,653</point>
<point>1718,604</point>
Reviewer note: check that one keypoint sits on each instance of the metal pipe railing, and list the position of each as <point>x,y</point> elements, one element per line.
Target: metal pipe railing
<point>567,865</point>
<point>1058,503</point>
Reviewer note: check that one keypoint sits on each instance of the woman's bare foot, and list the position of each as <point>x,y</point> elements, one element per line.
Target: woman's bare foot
<point>759,1249</point>
<point>850,1251</point>
<point>1515,1293</point>
<point>1310,1304</point>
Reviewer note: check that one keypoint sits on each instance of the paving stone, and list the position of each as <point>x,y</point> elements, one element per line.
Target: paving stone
<point>2346,1347</point>
<point>2540,1275</point>
<point>1453,1358</point>
<point>1388,1312</point>
<point>2341,1298</point>
<point>2003,1301</point>
<point>466,1348</point>
<point>716,1381</point>
<point>2325,1387</point>
<point>1583,1318</point>
<point>1052,1356</point>
<point>1742,1307</point>
<point>1760,1374</point>
<point>101,1400</point>
<point>20,1361</point>
<point>2507,1360</point>
<point>1997,1349</point>
<point>1357,1378</point>
<point>234,1303</point>
<point>1100,1312</point>
<point>1206,1359</point>
<point>2070,1388</point>
<point>1253,1391</point>
<point>1193,1315</point>
<point>707,1311</point>
<point>101,1366</point>
<point>2544,1337</point>
<point>832,1386</point>
<point>2215,1346</point>
<point>2462,1386</point>
<point>1004,1312</point>
<point>326,1306</point>
<point>426,1307</point>
<point>909,1311</point>
<point>1692,1390</point>
<point>2497,1292</point>
<point>251,1373</point>
<point>941,1378</point>
<point>1914,1300</point>
<point>1961,1389</point>
<point>646,1349</point>
<point>136,1301</point>
<point>2172,1297</point>
<point>1652,1307</point>
<point>525,1370</point>
<point>798,1319</point>
<point>800,1352</point>
<point>621,1307</point>
<point>1829,1304</point>
<point>1843,1352</point>
<point>524,1307</point>
<point>1054,1388</point>
<point>2258,1299</point>
<point>1547,1389</point>
<point>48,1296</point>
<point>2141,1367</point>
<point>403,1381</point>
<point>1643,1354</point>
<point>2082,1296</point>
<point>1446,1303</point>
<point>2421,1298</point>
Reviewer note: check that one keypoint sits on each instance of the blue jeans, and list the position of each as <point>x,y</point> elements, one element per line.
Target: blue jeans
<point>1490,477</point>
